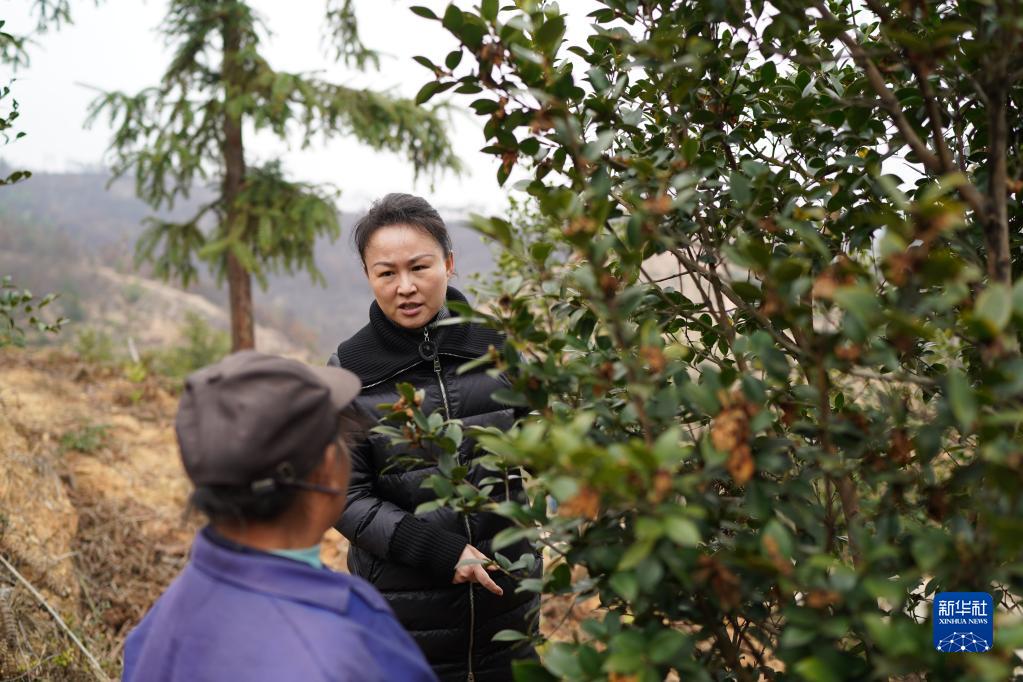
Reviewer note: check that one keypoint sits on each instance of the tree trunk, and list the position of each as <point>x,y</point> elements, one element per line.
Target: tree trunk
<point>996,229</point>
<point>239,287</point>
<point>239,280</point>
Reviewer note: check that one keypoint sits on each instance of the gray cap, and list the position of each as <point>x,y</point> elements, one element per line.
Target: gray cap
<point>241,419</point>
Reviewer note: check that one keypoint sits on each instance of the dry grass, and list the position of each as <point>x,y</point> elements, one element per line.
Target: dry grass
<point>121,570</point>
<point>96,528</point>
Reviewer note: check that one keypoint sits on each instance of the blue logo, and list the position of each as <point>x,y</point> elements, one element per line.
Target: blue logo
<point>964,622</point>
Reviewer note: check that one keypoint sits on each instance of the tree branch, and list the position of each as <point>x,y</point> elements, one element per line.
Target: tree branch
<point>996,225</point>
<point>931,161</point>
<point>920,71</point>
<point>693,266</point>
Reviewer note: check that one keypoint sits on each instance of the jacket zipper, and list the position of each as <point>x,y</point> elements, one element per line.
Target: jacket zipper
<point>471,677</point>
<point>472,610</point>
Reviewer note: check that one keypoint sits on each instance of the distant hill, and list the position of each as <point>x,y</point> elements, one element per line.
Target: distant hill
<point>56,227</point>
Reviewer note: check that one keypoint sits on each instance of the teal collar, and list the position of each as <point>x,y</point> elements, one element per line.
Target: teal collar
<point>309,555</point>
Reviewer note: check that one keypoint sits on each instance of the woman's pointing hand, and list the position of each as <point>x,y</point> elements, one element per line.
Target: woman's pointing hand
<point>476,572</point>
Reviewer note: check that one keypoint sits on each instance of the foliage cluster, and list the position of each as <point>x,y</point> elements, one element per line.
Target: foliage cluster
<point>18,307</point>
<point>766,321</point>
<point>87,438</point>
<point>200,345</point>
<point>12,51</point>
<point>94,346</point>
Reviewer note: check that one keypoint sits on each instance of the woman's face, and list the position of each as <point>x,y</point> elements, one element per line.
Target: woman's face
<point>408,273</point>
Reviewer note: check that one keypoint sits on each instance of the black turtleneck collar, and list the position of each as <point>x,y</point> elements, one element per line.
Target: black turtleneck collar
<point>383,347</point>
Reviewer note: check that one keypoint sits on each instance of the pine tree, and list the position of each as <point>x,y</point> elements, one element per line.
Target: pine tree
<point>191,128</point>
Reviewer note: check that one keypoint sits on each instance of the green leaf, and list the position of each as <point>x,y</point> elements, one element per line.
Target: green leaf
<point>776,540</point>
<point>690,148</point>
<point>700,396</point>
<point>667,448</point>
<point>488,9</point>
<point>265,234</point>
<point>562,661</point>
<point>648,528</point>
<point>563,488</point>
<point>635,554</point>
<point>929,550</point>
<point>961,399</point>
<point>1017,297</point>
<point>423,61</point>
<point>510,536</point>
<point>507,396</point>
<point>430,506</point>
<point>628,649</point>
<point>540,251</point>
<point>795,636</point>
<point>498,229</point>
<point>424,12</point>
<point>666,645</point>
<point>814,669</point>
<point>550,33</point>
<point>531,671</point>
<point>682,531</point>
<point>994,307</point>
<point>427,91</point>
<point>859,301</point>
<point>440,485</point>
<point>509,636</point>
<point>453,19</point>
<point>625,584</point>
<point>453,59</point>
<point>740,188</point>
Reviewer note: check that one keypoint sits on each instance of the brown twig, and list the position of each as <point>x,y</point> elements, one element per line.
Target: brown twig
<point>931,161</point>
<point>97,669</point>
<point>816,374</point>
<point>894,377</point>
<point>693,266</point>
<point>996,227</point>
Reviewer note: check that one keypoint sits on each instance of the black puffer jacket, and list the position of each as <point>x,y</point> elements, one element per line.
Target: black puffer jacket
<point>410,559</point>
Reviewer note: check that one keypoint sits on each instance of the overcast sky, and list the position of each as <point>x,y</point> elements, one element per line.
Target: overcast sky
<point>116,47</point>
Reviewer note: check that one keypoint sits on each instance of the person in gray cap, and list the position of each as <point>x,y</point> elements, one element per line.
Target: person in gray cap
<point>263,440</point>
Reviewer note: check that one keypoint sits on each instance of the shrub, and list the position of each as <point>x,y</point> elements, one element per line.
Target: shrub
<point>770,455</point>
<point>200,345</point>
<point>133,292</point>
<point>94,345</point>
<point>19,307</point>
<point>87,438</point>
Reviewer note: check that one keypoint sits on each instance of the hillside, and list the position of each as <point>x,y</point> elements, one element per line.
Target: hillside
<point>127,310</point>
<point>58,231</point>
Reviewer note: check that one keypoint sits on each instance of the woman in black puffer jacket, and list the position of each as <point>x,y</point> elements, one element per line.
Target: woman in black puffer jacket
<point>452,611</point>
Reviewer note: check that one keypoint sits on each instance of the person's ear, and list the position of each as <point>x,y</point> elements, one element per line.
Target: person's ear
<point>449,264</point>
<point>337,465</point>
<point>321,474</point>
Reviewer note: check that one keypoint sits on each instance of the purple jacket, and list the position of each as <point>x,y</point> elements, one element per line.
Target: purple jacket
<point>236,614</point>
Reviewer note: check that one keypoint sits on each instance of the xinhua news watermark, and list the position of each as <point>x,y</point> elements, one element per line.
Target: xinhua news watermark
<point>963,622</point>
